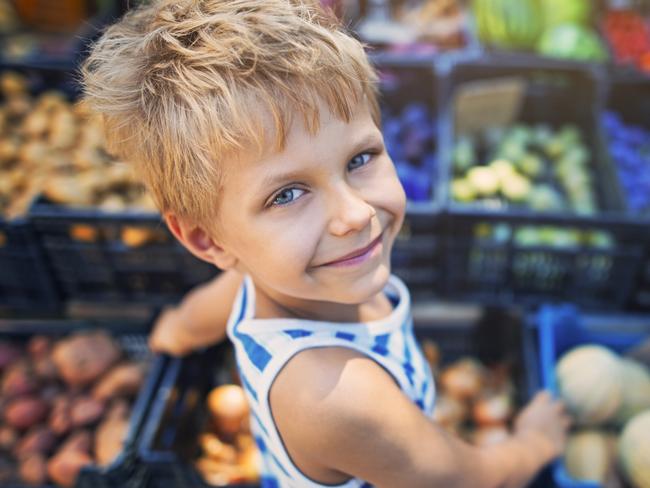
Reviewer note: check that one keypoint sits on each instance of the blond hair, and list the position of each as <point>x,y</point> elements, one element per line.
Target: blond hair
<point>183,85</point>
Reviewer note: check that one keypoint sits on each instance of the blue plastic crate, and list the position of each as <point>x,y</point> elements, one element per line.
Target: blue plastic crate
<point>563,327</point>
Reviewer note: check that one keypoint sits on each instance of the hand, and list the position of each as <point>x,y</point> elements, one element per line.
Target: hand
<point>168,334</point>
<point>544,422</point>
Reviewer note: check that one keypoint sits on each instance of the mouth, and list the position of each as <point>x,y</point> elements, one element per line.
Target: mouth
<point>355,255</point>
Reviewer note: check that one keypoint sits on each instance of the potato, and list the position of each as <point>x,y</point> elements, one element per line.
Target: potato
<point>119,409</point>
<point>25,411</point>
<point>33,470</point>
<point>84,233</point>
<point>19,380</point>
<point>135,236</point>
<point>64,467</point>
<point>79,440</point>
<point>82,358</point>
<point>9,353</point>
<point>38,440</point>
<point>35,124</point>
<point>39,346</point>
<point>123,380</point>
<point>109,439</point>
<point>12,84</point>
<point>86,410</point>
<point>45,369</point>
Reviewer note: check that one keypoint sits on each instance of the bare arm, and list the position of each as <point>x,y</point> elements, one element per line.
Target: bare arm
<point>200,319</point>
<point>367,428</point>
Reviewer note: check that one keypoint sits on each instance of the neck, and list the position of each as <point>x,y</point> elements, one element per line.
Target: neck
<point>273,305</point>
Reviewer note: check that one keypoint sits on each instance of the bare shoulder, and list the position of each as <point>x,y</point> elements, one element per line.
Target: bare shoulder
<point>325,403</point>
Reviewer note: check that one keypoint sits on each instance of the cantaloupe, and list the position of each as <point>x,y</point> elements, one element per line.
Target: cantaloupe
<point>589,381</point>
<point>636,390</point>
<point>634,450</point>
<point>587,456</point>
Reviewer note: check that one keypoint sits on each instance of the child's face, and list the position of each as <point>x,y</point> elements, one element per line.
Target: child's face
<point>291,218</point>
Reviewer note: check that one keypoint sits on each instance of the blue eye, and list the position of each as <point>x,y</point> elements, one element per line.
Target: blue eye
<point>359,160</point>
<point>287,195</point>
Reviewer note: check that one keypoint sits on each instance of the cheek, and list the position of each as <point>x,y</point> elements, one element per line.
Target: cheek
<point>281,244</point>
<point>389,193</point>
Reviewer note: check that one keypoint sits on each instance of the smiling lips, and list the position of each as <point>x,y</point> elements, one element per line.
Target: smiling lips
<point>349,258</point>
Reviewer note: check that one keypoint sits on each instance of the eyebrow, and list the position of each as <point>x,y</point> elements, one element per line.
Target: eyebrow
<point>276,180</point>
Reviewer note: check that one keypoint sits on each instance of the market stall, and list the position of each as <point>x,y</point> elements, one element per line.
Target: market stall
<point>520,131</point>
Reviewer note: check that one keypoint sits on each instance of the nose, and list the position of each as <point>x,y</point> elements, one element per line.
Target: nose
<point>349,211</point>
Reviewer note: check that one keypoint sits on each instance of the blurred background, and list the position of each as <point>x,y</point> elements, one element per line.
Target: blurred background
<point>520,130</point>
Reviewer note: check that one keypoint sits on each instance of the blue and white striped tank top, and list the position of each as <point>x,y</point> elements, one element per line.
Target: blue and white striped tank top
<point>263,347</point>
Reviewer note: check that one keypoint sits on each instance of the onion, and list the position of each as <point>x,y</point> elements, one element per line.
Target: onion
<point>229,408</point>
<point>492,409</point>
<point>463,379</point>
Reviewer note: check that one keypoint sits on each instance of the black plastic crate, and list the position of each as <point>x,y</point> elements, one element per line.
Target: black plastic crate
<point>410,87</point>
<point>26,281</point>
<point>94,261</point>
<point>124,471</point>
<point>169,439</point>
<point>417,253</point>
<point>504,253</point>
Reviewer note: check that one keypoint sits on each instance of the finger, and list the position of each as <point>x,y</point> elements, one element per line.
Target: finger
<point>543,396</point>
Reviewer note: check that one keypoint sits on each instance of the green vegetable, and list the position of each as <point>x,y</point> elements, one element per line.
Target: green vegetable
<point>567,11</point>
<point>572,41</point>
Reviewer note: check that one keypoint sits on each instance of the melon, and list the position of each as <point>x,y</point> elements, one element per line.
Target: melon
<point>634,450</point>
<point>589,382</point>
<point>587,456</point>
<point>636,390</point>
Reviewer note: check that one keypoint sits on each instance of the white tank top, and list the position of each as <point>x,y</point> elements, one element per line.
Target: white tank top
<point>263,347</point>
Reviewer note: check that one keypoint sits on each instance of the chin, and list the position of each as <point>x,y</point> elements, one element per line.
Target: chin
<point>366,286</point>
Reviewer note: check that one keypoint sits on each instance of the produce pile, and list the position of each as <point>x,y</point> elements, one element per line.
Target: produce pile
<point>52,147</point>
<point>229,454</point>
<point>472,400</point>
<point>629,37</point>
<point>439,22</point>
<point>608,396</point>
<point>556,28</point>
<point>525,166</point>
<point>410,138</point>
<point>629,146</point>
<point>65,404</point>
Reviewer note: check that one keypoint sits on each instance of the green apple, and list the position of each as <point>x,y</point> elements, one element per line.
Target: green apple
<point>545,198</point>
<point>531,164</point>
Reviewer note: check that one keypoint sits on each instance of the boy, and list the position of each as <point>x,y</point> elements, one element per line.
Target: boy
<point>254,123</point>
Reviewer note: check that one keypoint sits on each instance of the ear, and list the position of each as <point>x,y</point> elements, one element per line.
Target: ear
<point>199,242</point>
